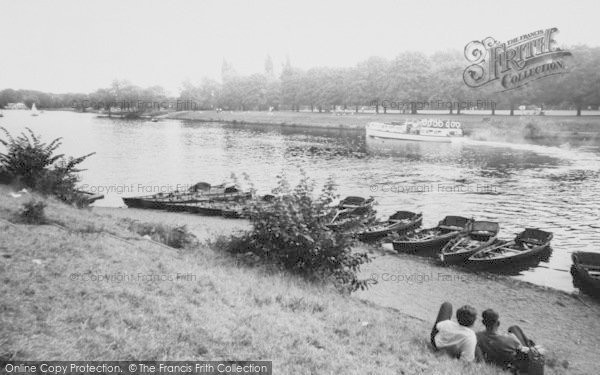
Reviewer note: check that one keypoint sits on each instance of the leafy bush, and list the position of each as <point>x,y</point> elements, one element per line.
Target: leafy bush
<point>291,231</point>
<point>31,163</point>
<point>33,213</point>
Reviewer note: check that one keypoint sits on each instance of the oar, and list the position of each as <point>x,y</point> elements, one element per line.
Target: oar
<point>458,243</point>
<point>336,215</point>
<point>554,269</point>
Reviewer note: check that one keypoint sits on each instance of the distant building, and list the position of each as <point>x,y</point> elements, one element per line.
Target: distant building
<point>15,106</point>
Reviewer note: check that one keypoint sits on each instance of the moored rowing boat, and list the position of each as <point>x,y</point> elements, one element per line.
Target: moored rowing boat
<point>349,209</point>
<point>399,222</point>
<point>430,240</point>
<point>526,244</point>
<point>481,235</point>
<point>586,272</point>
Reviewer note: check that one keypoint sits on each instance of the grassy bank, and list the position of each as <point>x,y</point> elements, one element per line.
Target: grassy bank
<point>215,309</point>
<point>482,127</point>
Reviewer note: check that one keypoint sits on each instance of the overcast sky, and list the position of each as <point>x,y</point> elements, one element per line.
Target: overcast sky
<point>78,46</point>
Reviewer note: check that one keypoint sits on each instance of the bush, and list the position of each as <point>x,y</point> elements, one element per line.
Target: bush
<point>33,213</point>
<point>31,163</point>
<point>291,231</point>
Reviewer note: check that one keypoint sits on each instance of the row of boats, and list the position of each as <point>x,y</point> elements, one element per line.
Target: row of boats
<point>225,200</point>
<point>460,240</point>
<point>454,240</point>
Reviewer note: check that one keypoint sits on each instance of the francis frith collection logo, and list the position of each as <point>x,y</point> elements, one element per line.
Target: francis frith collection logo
<point>516,62</point>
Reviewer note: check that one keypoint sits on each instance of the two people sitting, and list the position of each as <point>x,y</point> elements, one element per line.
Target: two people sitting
<point>460,341</point>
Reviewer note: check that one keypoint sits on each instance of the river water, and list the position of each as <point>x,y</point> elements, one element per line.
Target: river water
<point>555,188</point>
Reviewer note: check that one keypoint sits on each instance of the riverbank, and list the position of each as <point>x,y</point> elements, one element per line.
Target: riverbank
<point>480,127</point>
<point>561,322</point>
<point>218,309</point>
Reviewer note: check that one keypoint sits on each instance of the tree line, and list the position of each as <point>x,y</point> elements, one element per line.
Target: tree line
<point>410,78</point>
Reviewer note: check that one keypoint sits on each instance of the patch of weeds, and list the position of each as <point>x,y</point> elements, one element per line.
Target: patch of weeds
<point>32,212</point>
<point>177,237</point>
<point>90,228</point>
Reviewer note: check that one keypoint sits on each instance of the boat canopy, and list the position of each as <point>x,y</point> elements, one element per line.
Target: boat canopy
<point>481,227</point>
<point>454,222</point>
<point>533,235</point>
<point>200,186</point>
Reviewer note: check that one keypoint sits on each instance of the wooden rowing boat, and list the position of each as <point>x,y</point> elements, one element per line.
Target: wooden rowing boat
<point>527,244</point>
<point>399,222</point>
<point>355,206</point>
<point>429,241</point>
<point>199,192</point>
<point>349,209</point>
<point>586,272</point>
<point>480,235</point>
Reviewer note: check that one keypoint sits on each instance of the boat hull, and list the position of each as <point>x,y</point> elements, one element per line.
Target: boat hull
<point>208,209</point>
<point>408,137</point>
<point>581,277</point>
<point>457,258</point>
<point>427,247</point>
<point>391,228</point>
<point>508,260</point>
<point>163,203</point>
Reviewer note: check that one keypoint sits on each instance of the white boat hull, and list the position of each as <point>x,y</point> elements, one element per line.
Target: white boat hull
<point>409,137</point>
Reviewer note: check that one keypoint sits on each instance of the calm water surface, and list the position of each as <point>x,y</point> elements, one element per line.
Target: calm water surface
<point>556,188</point>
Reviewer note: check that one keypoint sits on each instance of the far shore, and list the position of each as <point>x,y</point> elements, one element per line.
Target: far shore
<point>478,126</point>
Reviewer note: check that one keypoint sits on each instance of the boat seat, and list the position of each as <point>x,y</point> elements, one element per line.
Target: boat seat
<point>450,227</point>
<point>590,267</point>
<point>533,241</point>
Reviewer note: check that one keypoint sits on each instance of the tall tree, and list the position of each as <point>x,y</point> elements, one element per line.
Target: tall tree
<point>410,79</point>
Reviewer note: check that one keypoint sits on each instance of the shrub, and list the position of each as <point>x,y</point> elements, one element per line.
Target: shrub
<point>33,213</point>
<point>291,231</point>
<point>31,163</point>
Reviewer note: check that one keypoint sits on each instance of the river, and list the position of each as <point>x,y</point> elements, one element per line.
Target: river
<point>555,188</point>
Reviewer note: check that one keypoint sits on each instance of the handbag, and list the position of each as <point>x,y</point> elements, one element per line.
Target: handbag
<point>531,362</point>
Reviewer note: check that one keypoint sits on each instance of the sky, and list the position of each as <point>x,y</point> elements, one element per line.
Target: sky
<point>79,46</point>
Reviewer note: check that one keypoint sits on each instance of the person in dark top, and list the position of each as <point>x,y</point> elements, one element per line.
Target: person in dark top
<point>496,348</point>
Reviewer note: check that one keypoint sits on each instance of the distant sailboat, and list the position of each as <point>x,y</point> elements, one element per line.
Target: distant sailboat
<point>34,111</point>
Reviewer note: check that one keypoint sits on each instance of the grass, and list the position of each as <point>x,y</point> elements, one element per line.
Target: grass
<point>83,295</point>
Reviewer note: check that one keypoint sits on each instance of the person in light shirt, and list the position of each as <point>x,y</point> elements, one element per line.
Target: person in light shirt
<point>456,339</point>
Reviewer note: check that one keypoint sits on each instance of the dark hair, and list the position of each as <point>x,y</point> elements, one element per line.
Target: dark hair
<point>466,315</point>
<point>489,317</point>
